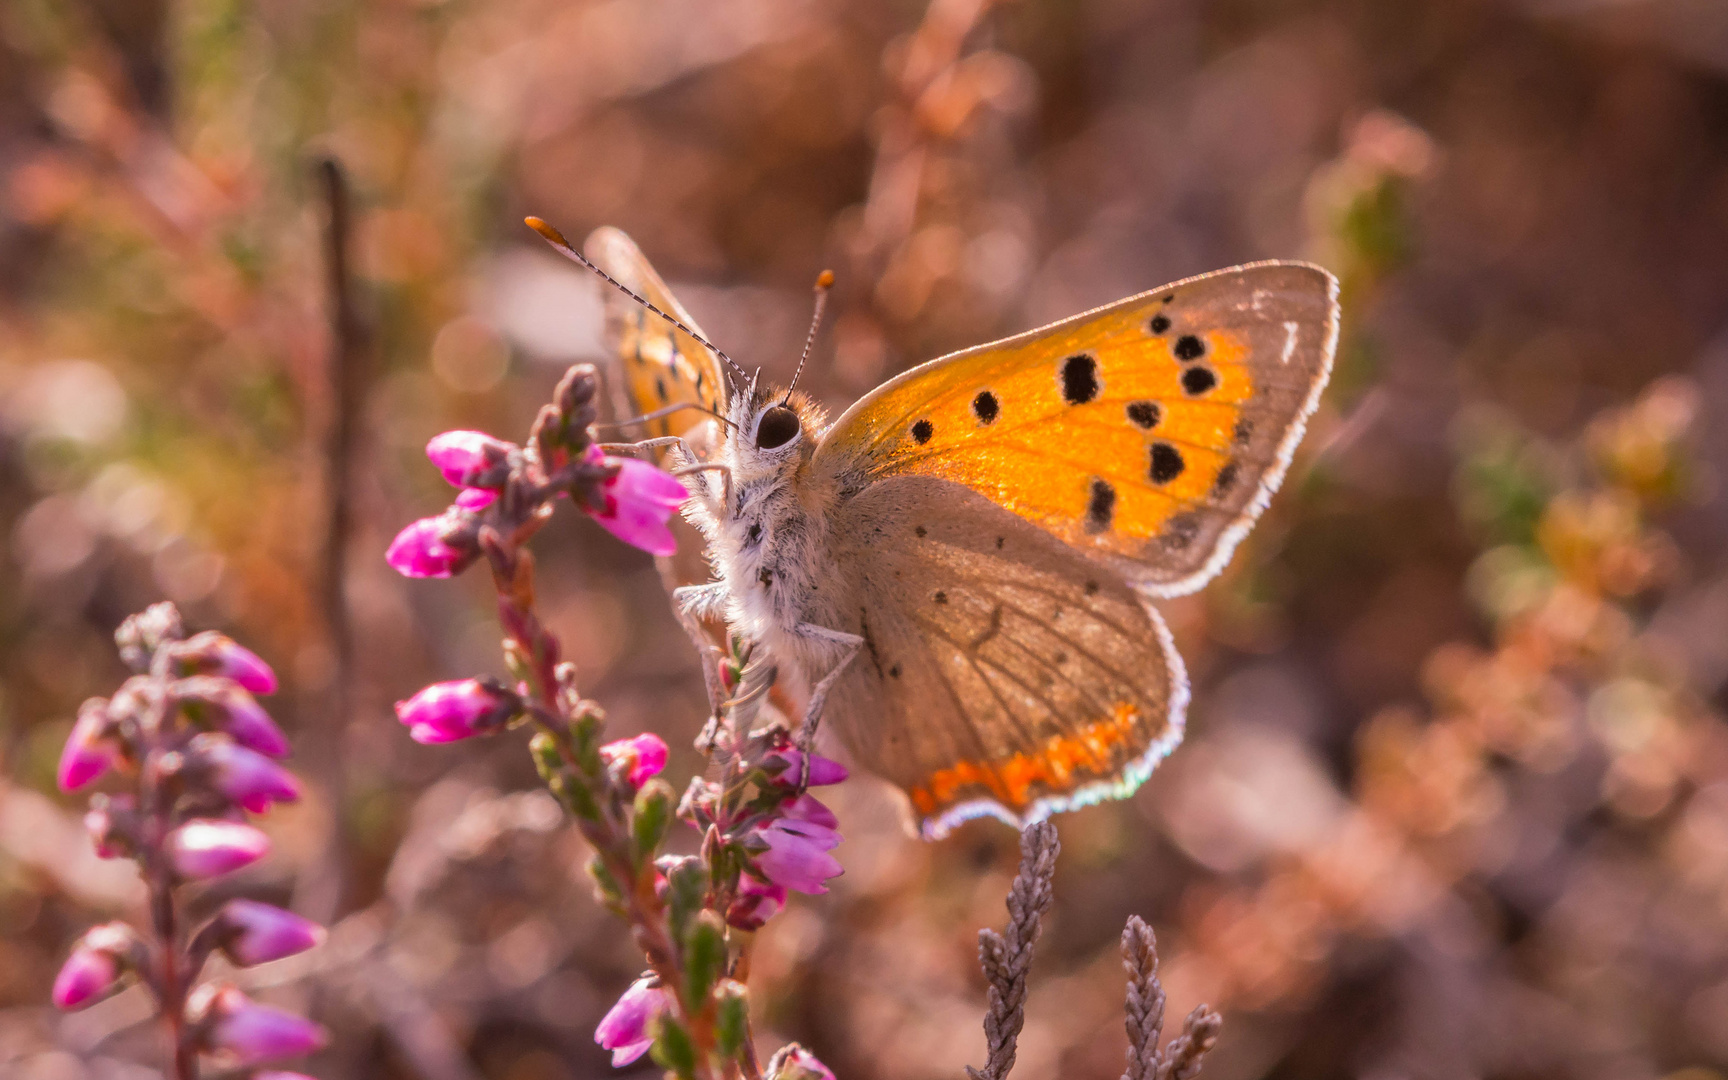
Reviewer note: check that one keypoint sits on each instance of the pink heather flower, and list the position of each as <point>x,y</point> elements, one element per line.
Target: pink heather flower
<point>756,902</point>
<point>637,503</point>
<point>823,771</point>
<point>476,498</point>
<point>448,711</point>
<point>253,1034</point>
<point>624,1029</point>
<point>419,551</point>
<point>465,456</point>
<point>798,846</point>
<point>797,1063</point>
<point>206,847</point>
<point>259,933</point>
<point>646,755</point>
<point>237,713</point>
<point>90,749</point>
<point>210,653</point>
<point>93,968</point>
<point>246,776</point>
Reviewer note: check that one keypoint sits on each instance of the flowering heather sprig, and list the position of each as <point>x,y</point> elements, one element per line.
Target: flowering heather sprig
<point>762,832</point>
<point>194,749</point>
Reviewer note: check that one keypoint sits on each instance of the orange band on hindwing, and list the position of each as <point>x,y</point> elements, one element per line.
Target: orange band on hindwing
<point>1092,751</point>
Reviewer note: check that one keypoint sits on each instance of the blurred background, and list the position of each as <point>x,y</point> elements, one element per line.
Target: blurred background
<point>1454,801</point>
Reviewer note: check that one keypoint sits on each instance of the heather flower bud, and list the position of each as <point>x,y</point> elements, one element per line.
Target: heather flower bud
<point>624,1029</point>
<point>793,1062</point>
<point>142,634</point>
<point>476,499</point>
<point>448,711</point>
<point>210,653</point>
<point>470,459</point>
<point>755,903</point>
<point>90,748</point>
<point>247,1033</point>
<point>112,823</point>
<point>636,503</point>
<point>232,710</point>
<point>823,771</point>
<point>639,758</point>
<point>95,965</point>
<point>423,550</point>
<point>245,776</point>
<point>206,847</point>
<point>249,932</point>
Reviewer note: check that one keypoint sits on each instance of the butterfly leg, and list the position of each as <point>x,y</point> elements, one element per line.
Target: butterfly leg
<point>848,646</point>
<point>693,605</point>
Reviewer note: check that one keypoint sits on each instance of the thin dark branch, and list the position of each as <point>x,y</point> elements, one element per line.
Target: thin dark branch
<point>346,376</point>
<point>1007,957</point>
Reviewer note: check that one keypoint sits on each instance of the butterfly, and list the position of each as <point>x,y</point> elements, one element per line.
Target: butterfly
<point>962,565</point>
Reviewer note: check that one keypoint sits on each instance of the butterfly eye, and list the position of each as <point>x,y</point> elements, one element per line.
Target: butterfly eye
<point>777,427</point>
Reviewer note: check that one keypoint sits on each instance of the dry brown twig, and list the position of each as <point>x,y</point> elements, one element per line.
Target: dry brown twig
<point>1181,1059</point>
<point>1007,957</point>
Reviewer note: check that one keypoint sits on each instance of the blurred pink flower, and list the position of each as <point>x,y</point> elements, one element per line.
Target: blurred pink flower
<point>463,456</point>
<point>90,749</point>
<point>211,653</point>
<point>246,776</point>
<point>206,847</point>
<point>93,968</point>
<point>645,753</point>
<point>624,1029</point>
<point>476,498</point>
<point>238,713</point>
<point>638,502</point>
<point>252,1033</point>
<point>460,709</point>
<point>757,902</point>
<point>258,933</point>
<point>419,551</point>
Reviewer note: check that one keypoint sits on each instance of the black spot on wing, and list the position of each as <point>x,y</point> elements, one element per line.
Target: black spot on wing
<point>1145,414</point>
<point>1100,506</point>
<point>921,432</point>
<point>660,389</point>
<point>921,531</point>
<point>1226,479</point>
<point>1080,379</point>
<point>940,597</point>
<point>1198,380</point>
<point>1159,323</point>
<point>1167,463</point>
<point>985,407</point>
<point>1244,432</point>
<point>1188,347</point>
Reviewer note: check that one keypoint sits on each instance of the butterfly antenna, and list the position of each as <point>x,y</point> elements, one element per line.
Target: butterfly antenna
<point>824,282</point>
<point>562,246</point>
<point>667,411</point>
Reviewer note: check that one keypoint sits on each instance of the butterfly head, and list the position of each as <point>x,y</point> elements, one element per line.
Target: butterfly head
<point>775,430</point>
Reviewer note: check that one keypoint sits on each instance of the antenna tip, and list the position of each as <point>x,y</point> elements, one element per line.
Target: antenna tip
<point>825,280</point>
<point>544,228</point>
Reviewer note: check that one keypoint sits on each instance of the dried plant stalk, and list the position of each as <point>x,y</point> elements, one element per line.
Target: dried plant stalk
<point>1180,1060</point>
<point>1007,957</point>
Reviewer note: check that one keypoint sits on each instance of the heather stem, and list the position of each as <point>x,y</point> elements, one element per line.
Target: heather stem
<point>164,917</point>
<point>538,649</point>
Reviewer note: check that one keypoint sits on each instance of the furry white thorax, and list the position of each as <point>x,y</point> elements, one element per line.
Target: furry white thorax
<point>766,543</point>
